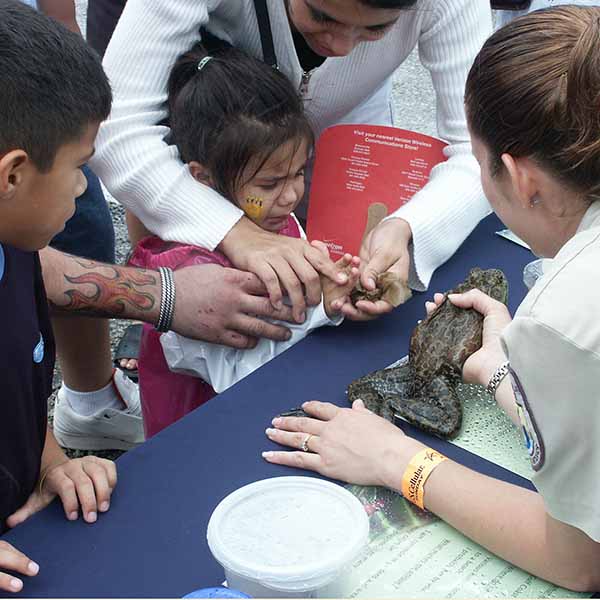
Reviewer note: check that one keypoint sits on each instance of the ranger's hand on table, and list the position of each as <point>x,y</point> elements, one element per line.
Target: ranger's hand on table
<point>283,264</point>
<point>225,306</point>
<point>385,248</point>
<point>350,444</point>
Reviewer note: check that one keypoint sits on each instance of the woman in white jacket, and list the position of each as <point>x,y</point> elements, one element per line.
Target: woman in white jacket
<point>341,55</point>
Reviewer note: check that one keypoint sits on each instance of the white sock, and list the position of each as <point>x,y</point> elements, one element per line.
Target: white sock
<point>88,403</point>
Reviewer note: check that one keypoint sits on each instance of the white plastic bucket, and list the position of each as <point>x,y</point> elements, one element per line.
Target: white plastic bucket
<point>287,536</point>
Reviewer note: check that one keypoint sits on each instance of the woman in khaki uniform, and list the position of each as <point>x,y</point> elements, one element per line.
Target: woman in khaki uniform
<point>533,106</point>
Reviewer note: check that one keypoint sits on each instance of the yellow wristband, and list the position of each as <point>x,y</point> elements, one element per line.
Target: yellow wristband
<point>419,468</point>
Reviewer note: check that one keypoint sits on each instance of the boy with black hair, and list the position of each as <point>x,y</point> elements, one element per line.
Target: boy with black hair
<point>54,96</point>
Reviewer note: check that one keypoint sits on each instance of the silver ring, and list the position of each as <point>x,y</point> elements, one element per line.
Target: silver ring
<point>304,446</point>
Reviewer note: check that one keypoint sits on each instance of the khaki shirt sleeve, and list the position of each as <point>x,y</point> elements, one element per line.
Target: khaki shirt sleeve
<point>556,386</point>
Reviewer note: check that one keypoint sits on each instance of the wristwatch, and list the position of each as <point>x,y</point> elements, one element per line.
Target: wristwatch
<point>499,374</point>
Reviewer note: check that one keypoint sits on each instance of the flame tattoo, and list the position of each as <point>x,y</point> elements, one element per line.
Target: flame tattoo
<point>108,291</point>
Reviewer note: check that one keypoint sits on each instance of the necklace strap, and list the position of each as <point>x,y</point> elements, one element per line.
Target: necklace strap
<point>266,34</point>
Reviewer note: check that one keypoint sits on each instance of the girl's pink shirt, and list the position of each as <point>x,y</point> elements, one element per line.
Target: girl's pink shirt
<point>167,396</point>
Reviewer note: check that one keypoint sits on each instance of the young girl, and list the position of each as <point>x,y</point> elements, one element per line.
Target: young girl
<point>533,105</point>
<point>240,127</point>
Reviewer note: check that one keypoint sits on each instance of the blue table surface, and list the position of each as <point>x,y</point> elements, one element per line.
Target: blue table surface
<point>152,542</point>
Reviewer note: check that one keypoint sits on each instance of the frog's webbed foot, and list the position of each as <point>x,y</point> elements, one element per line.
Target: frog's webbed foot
<point>434,407</point>
<point>375,388</point>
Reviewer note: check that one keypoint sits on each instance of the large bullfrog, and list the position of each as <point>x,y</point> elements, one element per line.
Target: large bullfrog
<point>423,390</point>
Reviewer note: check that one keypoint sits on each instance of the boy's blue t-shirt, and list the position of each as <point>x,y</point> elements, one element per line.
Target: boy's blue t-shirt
<point>27,359</point>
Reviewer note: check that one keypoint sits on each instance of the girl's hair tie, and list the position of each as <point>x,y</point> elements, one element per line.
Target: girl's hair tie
<point>203,62</point>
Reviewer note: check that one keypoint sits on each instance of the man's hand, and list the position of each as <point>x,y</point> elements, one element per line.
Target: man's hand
<point>13,560</point>
<point>223,306</point>
<point>385,248</point>
<point>211,303</point>
<point>281,263</point>
<point>87,481</point>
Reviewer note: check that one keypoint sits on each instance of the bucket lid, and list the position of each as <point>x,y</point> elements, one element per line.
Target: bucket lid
<point>288,533</point>
<point>216,592</point>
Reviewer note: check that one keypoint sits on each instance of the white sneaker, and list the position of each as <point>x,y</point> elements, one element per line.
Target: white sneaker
<point>109,428</point>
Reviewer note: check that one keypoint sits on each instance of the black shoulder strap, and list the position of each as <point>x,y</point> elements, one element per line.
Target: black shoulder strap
<point>266,35</point>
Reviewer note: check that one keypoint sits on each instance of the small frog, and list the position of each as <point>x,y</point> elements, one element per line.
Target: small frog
<point>424,389</point>
<point>389,288</point>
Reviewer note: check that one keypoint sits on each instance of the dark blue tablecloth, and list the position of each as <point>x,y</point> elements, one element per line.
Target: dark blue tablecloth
<point>153,540</point>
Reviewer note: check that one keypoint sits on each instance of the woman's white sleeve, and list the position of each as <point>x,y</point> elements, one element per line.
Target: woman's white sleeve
<point>452,203</point>
<point>132,158</point>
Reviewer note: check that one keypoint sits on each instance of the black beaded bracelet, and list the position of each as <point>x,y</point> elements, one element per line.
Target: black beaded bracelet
<point>167,300</point>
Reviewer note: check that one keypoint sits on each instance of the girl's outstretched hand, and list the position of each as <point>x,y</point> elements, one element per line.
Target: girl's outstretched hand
<point>350,444</point>
<point>385,248</point>
<point>480,366</point>
<point>335,296</point>
<point>283,264</point>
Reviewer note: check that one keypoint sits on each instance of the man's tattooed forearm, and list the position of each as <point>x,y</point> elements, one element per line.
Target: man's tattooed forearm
<point>108,291</point>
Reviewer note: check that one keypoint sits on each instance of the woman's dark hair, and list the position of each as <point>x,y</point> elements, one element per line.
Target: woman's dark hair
<point>534,91</point>
<point>53,85</point>
<point>234,110</point>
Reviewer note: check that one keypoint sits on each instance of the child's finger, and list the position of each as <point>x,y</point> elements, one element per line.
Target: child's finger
<point>65,488</point>
<point>336,305</point>
<point>111,471</point>
<point>14,560</point>
<point>354,314</point>
<point>8,583</point>
<point>344,261</point>
<point>87,496</point>
<point>374,309</point>
<point>102,489</point>
<point>34,504</point>
<point>430,307</point>
<point>321,246</point>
